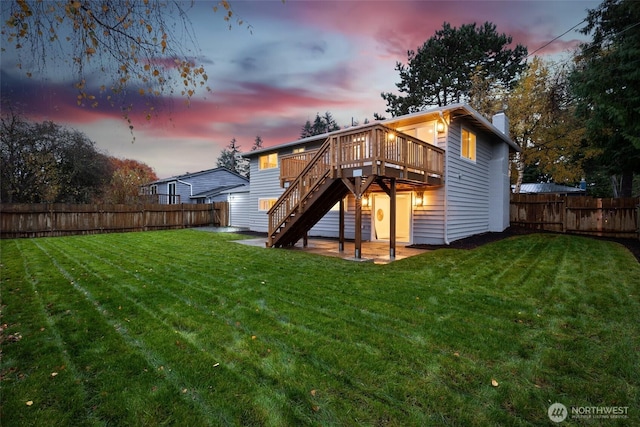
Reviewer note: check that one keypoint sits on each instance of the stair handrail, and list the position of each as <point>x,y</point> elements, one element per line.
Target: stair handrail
<point>299,189</point>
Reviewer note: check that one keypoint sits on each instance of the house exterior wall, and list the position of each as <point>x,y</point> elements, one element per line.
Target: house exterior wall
<point>265,184</point>
<point>239,207</point>
<point>188,185</point>
<point>467,184</point>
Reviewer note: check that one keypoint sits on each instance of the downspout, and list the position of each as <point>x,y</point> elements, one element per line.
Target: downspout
<point>190,186</point>
<point>446,181</point>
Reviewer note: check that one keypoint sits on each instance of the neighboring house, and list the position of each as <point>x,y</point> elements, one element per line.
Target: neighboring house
<point>208,186</point>
<point>552,188</point>
<point>442,173</point>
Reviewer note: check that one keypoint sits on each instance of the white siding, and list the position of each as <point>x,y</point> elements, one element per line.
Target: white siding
<point>239,209</point>
<point>467,186</point>
<point>428,220</point>
<point>499,188</point>
<point>265,184</point>
<point>329,225</point>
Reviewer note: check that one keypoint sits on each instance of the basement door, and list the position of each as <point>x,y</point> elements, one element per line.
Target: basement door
<point>381,212</point>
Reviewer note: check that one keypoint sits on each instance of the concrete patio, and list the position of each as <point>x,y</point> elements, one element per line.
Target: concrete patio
<point>376,252</point>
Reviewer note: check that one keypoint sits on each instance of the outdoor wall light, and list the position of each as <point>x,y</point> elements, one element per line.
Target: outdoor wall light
<point>365,201</point>
<point>440,127</point>
<point>418,200</point>
<point>391,137</point>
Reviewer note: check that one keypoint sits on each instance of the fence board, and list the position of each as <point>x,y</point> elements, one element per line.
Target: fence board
<point>41,220</point>
<point>576,214</point>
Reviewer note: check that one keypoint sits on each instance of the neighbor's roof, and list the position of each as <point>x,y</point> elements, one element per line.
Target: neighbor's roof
<point>237,188</point>
<point>455,110</point>
<point>548,187</point>
<point>194,174</point>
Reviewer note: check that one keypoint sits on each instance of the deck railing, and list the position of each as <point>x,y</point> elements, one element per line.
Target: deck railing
<point>374,149</point>
<point>376,145</point>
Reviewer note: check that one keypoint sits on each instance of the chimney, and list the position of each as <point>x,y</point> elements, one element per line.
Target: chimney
<point>501,121</point>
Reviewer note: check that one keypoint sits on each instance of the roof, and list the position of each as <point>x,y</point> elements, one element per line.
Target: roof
<point>194,174</point>
<point>548,187</point>
<point>454,110</point>
<point>457,111</point>
<point>239,188</point>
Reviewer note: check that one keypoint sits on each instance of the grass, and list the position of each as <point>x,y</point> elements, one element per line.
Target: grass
<point>187,328</point>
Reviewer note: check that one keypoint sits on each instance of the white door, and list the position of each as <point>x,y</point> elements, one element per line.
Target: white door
<point>381,212</point>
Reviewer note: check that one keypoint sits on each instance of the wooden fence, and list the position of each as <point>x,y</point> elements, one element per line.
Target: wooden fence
<point>576,214</point>
<point>43,220</point>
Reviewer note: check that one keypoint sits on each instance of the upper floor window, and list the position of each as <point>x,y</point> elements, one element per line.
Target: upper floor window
<point>266,204</point>
<point>268,161</point>
<point>298,150</point>
<point>468,148</point>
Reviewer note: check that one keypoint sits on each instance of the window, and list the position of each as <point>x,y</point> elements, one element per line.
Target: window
<point>269,161</point>
<point>298,150</point>
<point>266,204</point>
<point>468,149</point>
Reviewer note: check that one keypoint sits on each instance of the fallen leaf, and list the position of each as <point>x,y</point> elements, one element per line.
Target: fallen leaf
<point>313,392</point>
<point>494,382</point>
<point>456,354</point>
<point>29,402</point>
<point>253,337</point>
<point>216,365</point>
<point>315,408</point>
<point>184,390</point>
<point>54,374</point>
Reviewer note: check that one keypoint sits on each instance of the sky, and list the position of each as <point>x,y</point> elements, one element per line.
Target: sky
<point>299,58</point>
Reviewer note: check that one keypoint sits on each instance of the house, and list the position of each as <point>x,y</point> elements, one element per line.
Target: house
<point>208,186</point>
<point>430,177</point>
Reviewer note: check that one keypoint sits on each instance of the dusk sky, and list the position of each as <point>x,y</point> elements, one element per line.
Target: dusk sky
<point>300,58</point>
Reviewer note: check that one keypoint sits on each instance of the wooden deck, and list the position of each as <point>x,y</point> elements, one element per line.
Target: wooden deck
<point>349,161</point>
<point>373,150</point>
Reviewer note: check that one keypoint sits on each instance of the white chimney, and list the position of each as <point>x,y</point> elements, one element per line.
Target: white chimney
<point>501,121</point>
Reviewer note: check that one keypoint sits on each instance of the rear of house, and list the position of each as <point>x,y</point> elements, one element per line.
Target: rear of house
<point>463,189</point>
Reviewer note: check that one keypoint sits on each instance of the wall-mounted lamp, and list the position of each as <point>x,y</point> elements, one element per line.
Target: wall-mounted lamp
<point>418,199</point>
<point>391,137</point>
<point>365,201</point>
<point>440,126</point>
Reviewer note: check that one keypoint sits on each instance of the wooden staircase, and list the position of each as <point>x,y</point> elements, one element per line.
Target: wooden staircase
<point>362,155</point>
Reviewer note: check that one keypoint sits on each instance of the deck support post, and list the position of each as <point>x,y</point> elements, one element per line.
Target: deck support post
<point>305,240</point>
<point>358,230</point>
<point>392,220</point>
<point>341,227</point>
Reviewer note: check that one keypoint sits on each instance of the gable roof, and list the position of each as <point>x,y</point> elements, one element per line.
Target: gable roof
<point>222,189</point>
<point>453,110</point>
<point>188,175</point>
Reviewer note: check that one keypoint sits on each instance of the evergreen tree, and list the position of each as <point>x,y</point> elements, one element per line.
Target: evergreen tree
<point>441,70</point>
<point>257,144</point>
<point>231,158</point>
<point>606,81</point>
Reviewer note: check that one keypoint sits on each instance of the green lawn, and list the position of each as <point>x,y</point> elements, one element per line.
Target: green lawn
<point>187,328</point>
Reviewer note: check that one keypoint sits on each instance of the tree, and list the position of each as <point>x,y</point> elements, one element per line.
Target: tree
<point>439,73</point>
<point>542,123</point>
<point>231,158</point>
<point>128,175</point>
<point>321,124</point>
<point>146,47</point>
<point>46,163</point>
<point>257,144</point>
<point>606,81</point>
